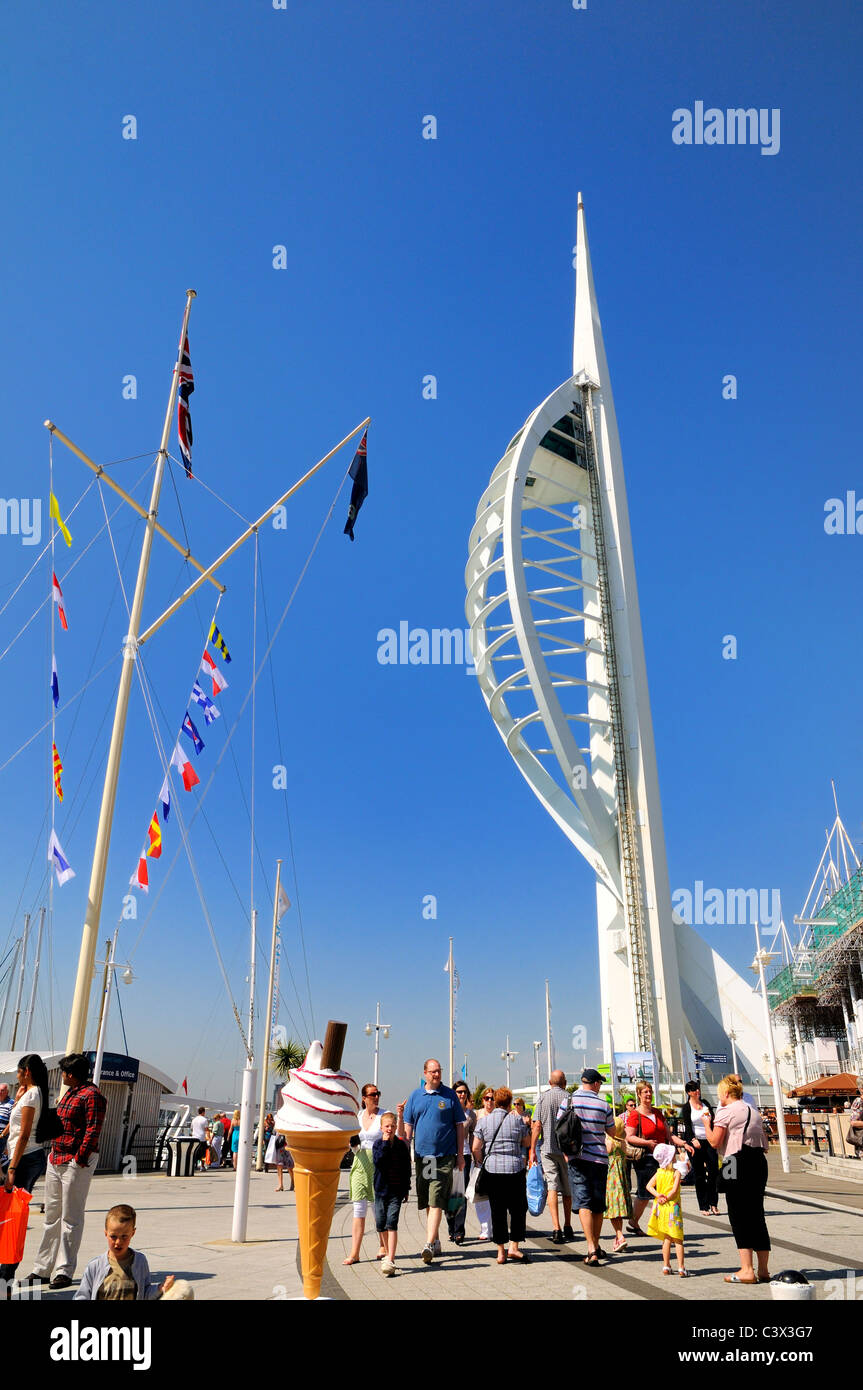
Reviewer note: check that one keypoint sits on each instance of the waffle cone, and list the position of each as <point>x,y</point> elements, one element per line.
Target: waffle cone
<point>317,1155</point>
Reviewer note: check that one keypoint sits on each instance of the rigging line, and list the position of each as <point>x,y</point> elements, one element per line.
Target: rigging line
<point>254,705</point>
<point>45,549</point>
<point>120,1007</point>
<point>212,492</point>
<point>114,550</point>
<point>211,778</point>
<point>243,907</point>
<point>290,825</point>
<point>74,564</point>
<point>70,701</point>
<point>48,871</point>
<point>145,688</point>
<point>267,886</point>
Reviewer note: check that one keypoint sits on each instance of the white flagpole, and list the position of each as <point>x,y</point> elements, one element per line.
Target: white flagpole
<point>549,1052</point>
<point>87,955</point>
<point>451,1015</point>
<point>265,1067</point>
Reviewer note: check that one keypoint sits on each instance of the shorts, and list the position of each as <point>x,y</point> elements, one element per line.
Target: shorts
<point>387,1213</point>
<point>555,1170</point>
<point>588,1185</point>
<point>644,1169</point>
<point>434,1180</point>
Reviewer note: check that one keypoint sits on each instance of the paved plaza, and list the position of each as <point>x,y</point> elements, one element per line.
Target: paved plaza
<point>184,1227</point>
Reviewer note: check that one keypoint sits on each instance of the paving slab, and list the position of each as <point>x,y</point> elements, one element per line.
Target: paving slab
<point>184,1228</point>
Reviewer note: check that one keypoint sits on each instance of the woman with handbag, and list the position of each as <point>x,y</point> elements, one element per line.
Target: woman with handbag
<point>738,1133</point>
<point>705,1164</point>
<point>500,1141</point>
<point>29,1127</point>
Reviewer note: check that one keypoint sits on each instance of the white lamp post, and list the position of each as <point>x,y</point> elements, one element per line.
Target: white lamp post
<point>127,977</point>
<point>762,957</point>
<point>536,1051</point>
<point>508,1057</point>
<point>377,1028</point>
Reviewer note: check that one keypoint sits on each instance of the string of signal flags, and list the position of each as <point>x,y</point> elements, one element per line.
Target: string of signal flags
<point>358,474</point>
<point>152,849</point>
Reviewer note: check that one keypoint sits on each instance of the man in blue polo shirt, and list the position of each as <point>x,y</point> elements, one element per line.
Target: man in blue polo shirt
<point>433,1115</point>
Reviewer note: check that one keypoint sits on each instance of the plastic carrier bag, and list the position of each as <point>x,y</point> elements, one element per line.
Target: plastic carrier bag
<point>537,1190</point>
<point>14,1209</point>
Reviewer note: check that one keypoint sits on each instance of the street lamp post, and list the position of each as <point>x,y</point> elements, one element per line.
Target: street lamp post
<point>732,1038</point>
<point>126,977</point>
<point>536,1051</point>
<point>508,1057</point>
<point>378,1027</point>
<point>762,957</point>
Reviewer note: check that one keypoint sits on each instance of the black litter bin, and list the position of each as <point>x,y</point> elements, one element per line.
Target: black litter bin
<point>181,1157</point>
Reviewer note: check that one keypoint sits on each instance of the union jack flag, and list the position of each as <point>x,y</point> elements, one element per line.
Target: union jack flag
<point>184,418</point>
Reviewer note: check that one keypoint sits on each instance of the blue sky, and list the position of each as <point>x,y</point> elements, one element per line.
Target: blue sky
<point>406,257</point>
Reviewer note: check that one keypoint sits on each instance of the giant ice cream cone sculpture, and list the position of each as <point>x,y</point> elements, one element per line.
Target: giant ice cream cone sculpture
<point>318,1116</point>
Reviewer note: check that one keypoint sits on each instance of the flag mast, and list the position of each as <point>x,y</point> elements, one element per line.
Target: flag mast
<point>78,1018</point>
<point>450,968</point>
<point>268,1036</point>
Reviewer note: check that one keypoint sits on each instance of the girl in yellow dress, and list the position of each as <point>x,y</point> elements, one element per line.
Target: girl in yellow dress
<point>666,1219</point>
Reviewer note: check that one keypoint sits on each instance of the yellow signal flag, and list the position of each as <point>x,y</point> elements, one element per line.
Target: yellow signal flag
<point>54,509</point>
<point>58,773</point>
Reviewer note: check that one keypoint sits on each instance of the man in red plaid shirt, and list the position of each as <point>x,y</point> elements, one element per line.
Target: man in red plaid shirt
<point>71,1165</point>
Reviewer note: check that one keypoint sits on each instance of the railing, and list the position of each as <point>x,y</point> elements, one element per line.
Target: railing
<point>147,1146</point>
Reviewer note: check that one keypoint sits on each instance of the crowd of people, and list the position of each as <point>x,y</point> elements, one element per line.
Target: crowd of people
<point>460,1154</point>
<point>589,1159</point>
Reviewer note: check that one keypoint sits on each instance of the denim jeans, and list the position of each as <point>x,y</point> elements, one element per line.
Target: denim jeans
<point>387,1211</point>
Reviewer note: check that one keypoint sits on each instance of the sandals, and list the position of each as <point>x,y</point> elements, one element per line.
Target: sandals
<point>618,1245</point>
<point>592,1259</point>
<point>684,1274</point>
<point>520,1259</point>
<point>735,1279</point>
<point>666,1269</point>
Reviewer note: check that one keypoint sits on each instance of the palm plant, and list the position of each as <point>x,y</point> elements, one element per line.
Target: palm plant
<point>287,1055</point>
<point>477,1095</point>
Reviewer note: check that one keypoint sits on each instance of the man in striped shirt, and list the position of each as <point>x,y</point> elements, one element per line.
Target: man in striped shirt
<point>589,1170</point>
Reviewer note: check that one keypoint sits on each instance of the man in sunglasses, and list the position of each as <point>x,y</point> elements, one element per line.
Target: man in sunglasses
<point>434,1117</point>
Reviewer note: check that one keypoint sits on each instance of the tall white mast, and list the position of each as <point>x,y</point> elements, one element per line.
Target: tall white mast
<point>87,955</point>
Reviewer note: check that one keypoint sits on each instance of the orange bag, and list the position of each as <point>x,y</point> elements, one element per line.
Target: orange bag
<point>14,1209</point>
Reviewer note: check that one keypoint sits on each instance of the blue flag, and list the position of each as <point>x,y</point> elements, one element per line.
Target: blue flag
<point>211,713</point>
<point>55,684</point>
<point>192,732</point>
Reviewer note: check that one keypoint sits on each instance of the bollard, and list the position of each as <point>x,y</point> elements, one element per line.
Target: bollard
<point>791,1286</point>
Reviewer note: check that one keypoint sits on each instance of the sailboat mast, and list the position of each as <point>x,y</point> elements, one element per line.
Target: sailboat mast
<point>32,1005</point>
<point>12,973</point>
<point>20,989</point>
<point>89,935</point>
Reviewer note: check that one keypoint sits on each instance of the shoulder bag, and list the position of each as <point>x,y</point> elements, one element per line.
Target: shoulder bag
<point>475,1187</point>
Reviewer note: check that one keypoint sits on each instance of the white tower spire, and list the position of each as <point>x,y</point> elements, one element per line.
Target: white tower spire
<point>556,633</point>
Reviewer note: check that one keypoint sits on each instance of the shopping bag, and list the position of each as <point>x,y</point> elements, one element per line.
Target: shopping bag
<point>471,1193</point>
<point>457,1198</point>
<point>537,1190</point>
<point>14,1207</point>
